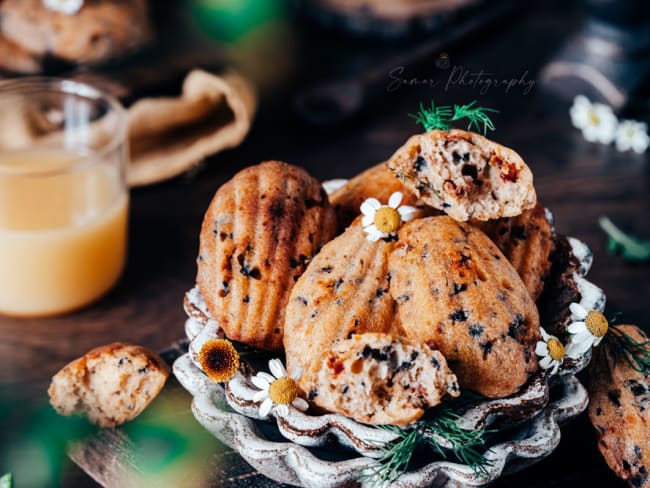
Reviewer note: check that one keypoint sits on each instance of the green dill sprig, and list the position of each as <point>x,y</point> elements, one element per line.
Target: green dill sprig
<point>622,345</point>
<point>463,446</point>
<point>434,118</point>
<point>630,247</point>
<point>441,117</point>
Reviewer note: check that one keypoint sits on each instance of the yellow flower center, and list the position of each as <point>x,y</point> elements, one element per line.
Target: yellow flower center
<point>219,360</point>
<point>387,219</point>
<point>283,391</point>
<point>593,118</point>
<point>555,349</point>
<point>596,323</point>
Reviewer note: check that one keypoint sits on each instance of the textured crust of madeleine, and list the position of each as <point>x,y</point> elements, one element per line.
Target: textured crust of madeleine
<point>527,241</point>
<point>465,175</point>
<point>619,409</point>
<point>376,378</point>
<point>457,293</point>
<point>258,235</point>
<point>110,384</point>
<point>379,182</point>
<point>99,31</point>
<point>340,333</point>
<point>343,291</point>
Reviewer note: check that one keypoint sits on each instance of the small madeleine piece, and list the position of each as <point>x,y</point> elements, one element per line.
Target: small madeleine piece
<point>465,175</point>
<point>110,384</point>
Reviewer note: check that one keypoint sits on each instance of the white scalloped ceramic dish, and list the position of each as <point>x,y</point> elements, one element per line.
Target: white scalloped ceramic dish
<point>333,450</point>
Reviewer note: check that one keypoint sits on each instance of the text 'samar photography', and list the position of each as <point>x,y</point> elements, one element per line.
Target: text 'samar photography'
<point>449,76</point>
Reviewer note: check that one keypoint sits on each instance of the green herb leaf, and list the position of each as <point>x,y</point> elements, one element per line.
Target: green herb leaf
<point>7,481</point>
<point>441,117</point>
<point>397,454</point>
<point>630,247</point>
<point>434,118</point>
<point>475,115</point>
<point>635,353</point>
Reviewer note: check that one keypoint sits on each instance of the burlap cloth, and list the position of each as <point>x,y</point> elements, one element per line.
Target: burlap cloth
<point>169,135</point>
<point>166,135</point>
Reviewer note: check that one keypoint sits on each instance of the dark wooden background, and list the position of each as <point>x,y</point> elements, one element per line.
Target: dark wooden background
<point>578,180</point>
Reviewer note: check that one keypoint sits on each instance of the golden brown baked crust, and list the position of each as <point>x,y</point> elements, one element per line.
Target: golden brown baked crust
<point>379,182</point>
<point>260,231</point>
<point>110,384</point>
<point>527,241</point>
<point>343,291</point>
<point>15,59</point>
<point>465,175</point>
<point>457,292</point>
<point>340,333</point>
<point>619,409</point>
<point>100,30</point>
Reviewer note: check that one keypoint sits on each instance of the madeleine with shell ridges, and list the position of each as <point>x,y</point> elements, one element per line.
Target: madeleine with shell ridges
<point>259,233</point>
<point>458,293</point>
<point>341,335</point>
<point>465,175</point>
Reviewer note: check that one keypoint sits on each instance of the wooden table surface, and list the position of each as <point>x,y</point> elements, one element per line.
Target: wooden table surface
<point>578,180</point>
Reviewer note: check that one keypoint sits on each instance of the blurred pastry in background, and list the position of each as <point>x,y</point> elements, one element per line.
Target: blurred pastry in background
<point>75,32</point>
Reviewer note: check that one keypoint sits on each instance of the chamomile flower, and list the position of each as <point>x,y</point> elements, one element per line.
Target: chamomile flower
<point>67,7</point>
<point>277,391</point>
<point>633,135</point>
<point>588,329</point>
<point>382,221</point>
<point>596,120</point>
<point>219,360</point>
<point>551,352</point>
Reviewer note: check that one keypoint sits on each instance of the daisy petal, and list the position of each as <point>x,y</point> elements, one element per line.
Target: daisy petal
<point>541,349</point>
<point>545,334</point>
<point>597,341</point>
<point>282,410</point>
<point>265,407</point>
<point>546,362</point>
<point>556,367</point>
<point>577,349</point>
<point>261,382</point>
<point>367,220</point>
<point>260,395</point>
<point>395,199</point>
<point>297,373</point>
<point>300,403</point>
<point>577,327</point>
<point>277,368</point>
<point>578,310</point>
<point>370,206</point>
<point>406,212</point>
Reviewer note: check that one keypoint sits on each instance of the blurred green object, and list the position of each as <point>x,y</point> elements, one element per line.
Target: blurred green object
<point>230,20</point>
<point>7,481</point>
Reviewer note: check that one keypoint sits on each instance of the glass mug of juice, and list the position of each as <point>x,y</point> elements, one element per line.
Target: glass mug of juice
<point>63,195</point>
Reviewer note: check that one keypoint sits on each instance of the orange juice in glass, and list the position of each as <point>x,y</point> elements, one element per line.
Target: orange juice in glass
<point>63,195</point>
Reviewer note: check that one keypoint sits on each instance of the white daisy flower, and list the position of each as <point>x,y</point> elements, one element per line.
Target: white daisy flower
<point>277,392</point>
<point>381,221</point>
<point>550,350</point>
<point>68,7</point>
<point>588,329</point>
<point>596,120</point>
<point>631,134</point>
